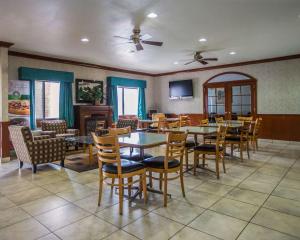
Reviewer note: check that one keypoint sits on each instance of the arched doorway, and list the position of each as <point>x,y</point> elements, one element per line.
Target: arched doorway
<point>229,94</point>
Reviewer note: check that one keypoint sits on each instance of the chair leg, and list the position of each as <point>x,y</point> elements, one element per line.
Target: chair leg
<point>231,150</point>
<point>145,187</point>
<point>62,163</point>
<point>186,159</point>
<point>217,166</point>
<point>223,162</point>
<point>34,168</point>
<point>112,184</point>
<point>247,146</point>
<point>196,157</point>
<point>165,188</point>
<point>141,186</point>
<point>121,196</point>
<point>203,160</point>
<point>20,164</point>
<point>160,181</point>
<point>181,182</point>
<point>256,144</point>
<point>241,152</point>
<point>100,188</point>
<point>129,187</point>
<point>150,179</point>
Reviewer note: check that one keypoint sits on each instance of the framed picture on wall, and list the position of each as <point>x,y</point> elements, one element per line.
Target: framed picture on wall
<point>89,91</point>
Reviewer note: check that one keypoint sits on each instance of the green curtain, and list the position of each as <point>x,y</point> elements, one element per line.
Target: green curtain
<point>142,104</point>
<point>32,103</point>
<point>112,96</point>
<point>65,99</point>
<point>66,103</point>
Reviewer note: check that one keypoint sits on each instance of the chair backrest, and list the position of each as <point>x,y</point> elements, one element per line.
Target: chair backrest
<point>122,123</point>
<point>245,119</point>
<point>257,127</point>
<point>119,131</point>
<point>157,117</point>
<point>171,125</point>
<point>20,137</point>
<point>204,122</point>
<point>175,147</point>
<point>108,150</point>
<point>219,119</point>
<point>59,126</point>
<point>221,135</point>
<point>184,120</point>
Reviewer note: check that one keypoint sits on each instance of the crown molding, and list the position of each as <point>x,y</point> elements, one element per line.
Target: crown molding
<point>6,44</point>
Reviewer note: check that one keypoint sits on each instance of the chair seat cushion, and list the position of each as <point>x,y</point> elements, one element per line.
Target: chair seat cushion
<point>135,157</point>
<point>65,135</point>
<point>234,139</point>
<point>190,144</point>
<point>127,167</point>
<point>207,148</point>
<point>158,162</point>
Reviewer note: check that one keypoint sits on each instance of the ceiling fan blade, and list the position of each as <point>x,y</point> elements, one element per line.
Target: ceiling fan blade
<point>146,37</point>
<point>154,43</point>
<point>122,37</point>
<point>139,47</point>
<point>190,62</point>
<point>210,59</point>
<point>203,62</point>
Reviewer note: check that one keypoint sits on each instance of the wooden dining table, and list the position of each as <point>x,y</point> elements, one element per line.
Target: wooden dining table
<point>146,122</point>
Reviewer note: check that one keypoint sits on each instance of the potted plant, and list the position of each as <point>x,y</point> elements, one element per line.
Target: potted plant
<point>97,95</point>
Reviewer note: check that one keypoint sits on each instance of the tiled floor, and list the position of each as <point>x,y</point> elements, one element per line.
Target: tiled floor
<point>257,199</point>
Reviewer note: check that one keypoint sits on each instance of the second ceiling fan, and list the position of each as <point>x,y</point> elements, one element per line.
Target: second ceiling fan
<point>138,39</point>
<point>199,58</point>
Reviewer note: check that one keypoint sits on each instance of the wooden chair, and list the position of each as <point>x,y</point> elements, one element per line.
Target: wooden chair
<point>245,119</point>
<point>217,149</point>
<point>241,139</point>
<point>119,131</point>
<point>112,166</point>
<point>184,120</point>
<point>219,119</point>
<point>169,163</point>
<point>171,125</point>
<point>204,122</point>
<point>100,125</point>
<point>157,117</point>
<point>254,134</point>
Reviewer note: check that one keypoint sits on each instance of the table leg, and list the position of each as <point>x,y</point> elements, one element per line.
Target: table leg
<point>90,154</point>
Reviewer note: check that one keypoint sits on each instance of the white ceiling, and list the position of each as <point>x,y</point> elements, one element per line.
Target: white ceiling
<point>255,29</point>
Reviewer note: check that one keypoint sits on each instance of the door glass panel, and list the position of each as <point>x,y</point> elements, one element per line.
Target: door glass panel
<point>236,100</point>
<point>236,110</point>
<point>246,109</point>
<point>236,90</point>
<point>220,109</point>
<point>211,92</point>
<point>246,100</point>
<point>211,100</point>
<point>212,109</point>
<point>246,90</point>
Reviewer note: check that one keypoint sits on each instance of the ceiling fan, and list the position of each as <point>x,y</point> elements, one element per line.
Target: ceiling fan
<point>137,39</point>
<point>199,58</point>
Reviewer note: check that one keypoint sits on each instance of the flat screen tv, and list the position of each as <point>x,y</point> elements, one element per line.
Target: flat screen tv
<point>181,89</point>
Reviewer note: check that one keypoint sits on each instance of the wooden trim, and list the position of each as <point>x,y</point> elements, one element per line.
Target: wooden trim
<point>4,140</point>
<point>76,63</point>
<point>284,58</point>
<point>6,44</point>
<point>230,72</point>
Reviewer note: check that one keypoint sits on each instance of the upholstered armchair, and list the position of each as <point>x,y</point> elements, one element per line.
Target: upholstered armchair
<point>60,128</point>
<point>38,150</point>
<point>123,123</point>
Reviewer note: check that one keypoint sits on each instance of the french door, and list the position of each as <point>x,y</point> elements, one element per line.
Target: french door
<point>230,99</point>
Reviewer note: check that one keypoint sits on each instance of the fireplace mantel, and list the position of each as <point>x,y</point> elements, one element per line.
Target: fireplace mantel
<point>84,112</point>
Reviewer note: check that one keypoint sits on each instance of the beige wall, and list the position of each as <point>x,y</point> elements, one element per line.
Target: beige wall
<point>80,72</point>
<point>278,88</point>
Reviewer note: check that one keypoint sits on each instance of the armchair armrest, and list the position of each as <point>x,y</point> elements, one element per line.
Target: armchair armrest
<point>73,131</point>
<point>47,150</point>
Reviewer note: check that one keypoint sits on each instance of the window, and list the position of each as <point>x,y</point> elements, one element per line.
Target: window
<point>46,99</point>
<point>127,101</point>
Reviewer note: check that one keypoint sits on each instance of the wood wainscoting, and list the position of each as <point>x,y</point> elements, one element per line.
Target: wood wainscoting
<point>274,126</point>
<point>4,140</point>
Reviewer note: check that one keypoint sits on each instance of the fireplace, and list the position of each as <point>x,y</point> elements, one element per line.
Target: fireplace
<point>86,117</point>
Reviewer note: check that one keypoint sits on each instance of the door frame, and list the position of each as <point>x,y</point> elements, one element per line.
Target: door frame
<point>227,85</point>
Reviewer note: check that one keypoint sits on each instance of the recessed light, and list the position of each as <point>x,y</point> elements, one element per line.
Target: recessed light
<point>85,40</point>
<point>232,53</point>
<point>152,15</point>
<point>176,63</point>
<point>202,40</point>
